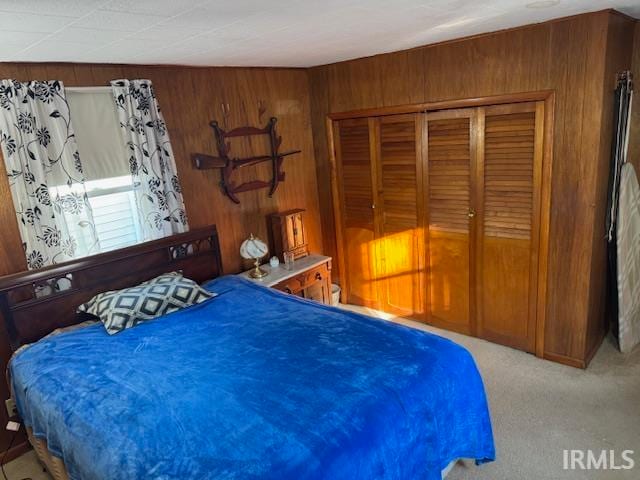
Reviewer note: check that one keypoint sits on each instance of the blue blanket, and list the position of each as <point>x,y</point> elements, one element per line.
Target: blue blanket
<point>254,384</point>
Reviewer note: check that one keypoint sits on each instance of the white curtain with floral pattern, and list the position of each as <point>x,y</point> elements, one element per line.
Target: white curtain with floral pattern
<point>45,173</point>
<point>151,161</point>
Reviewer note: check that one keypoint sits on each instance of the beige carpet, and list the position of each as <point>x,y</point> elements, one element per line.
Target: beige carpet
<point>538,409</point>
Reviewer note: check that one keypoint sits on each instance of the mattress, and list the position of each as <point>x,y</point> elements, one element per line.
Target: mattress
<point>253,384</point>
<point>58,471</point>
<point>54,465</point>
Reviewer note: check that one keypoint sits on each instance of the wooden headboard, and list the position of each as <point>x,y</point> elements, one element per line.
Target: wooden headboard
<point>34,303</point>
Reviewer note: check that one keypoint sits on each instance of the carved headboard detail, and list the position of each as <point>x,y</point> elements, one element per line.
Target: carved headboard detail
<point>34,303</point>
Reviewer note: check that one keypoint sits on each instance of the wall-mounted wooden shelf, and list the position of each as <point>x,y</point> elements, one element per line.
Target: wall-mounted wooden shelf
<point>228,165</point>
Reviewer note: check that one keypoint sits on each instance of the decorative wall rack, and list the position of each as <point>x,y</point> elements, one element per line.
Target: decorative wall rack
<point>229,165</point>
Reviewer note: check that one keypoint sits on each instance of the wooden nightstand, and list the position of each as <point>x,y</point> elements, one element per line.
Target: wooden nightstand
<point>309,278</point>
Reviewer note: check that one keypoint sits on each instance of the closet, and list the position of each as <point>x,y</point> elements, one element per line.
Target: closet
<point>438,216</point>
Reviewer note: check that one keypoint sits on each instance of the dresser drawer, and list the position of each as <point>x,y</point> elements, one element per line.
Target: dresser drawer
<point>304,280</point>
<point>309,278</point>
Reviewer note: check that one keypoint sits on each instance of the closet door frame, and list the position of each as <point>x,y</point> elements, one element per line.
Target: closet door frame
<point>546,96</point>
<point>477,198</point>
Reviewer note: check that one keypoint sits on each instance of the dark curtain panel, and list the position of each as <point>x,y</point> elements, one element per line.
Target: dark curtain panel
<point>622,110</point>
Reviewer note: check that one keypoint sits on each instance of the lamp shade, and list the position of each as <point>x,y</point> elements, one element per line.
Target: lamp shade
<point>253,248</point>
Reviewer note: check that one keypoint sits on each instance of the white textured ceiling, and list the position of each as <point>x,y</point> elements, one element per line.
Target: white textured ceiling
<point>255,32</point>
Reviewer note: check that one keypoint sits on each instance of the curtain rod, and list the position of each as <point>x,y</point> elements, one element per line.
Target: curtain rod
<point>88,89</point>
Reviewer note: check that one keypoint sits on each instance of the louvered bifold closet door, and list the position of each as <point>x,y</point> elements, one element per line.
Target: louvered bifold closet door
<point>400,214</point>
<point>355,175</point>
<point>450,163</point>
<point>509,183</point>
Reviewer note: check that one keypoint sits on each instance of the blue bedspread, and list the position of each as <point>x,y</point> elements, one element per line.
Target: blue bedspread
<point>254,384</point>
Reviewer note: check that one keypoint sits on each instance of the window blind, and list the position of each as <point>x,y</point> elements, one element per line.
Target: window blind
<point>100,143</point>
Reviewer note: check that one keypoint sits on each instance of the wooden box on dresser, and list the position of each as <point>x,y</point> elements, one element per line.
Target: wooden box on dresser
<point>309,278</point>
<point>288,233</point>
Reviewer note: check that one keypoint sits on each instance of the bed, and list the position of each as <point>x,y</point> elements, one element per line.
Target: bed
<point>253,383</point>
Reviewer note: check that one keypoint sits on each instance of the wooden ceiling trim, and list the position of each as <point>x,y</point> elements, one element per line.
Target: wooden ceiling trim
<point>443,105</point>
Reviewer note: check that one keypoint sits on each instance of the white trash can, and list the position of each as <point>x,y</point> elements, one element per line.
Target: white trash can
<point>335,294</point>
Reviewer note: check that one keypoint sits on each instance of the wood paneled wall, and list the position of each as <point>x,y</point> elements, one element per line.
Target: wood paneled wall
<point>618,57</point>
<point>190,98</point>
<point>568,56</point>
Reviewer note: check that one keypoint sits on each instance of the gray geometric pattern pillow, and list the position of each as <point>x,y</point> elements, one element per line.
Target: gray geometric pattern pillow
<point>167,293</point>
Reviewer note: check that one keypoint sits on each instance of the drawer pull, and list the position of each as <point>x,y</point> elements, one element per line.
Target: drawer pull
<point>303,279</point>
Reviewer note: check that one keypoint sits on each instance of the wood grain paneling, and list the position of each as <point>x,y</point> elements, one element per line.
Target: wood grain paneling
<point>566,56</point>
<point>620,35</point>
<point>190,98</point>
<point>320,102</point>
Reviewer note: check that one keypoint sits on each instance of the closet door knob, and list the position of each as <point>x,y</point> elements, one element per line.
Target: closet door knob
<point>373,206</point>
<point>472,213</point>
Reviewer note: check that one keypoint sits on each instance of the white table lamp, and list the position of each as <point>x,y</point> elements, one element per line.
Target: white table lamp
<point>254,249</point>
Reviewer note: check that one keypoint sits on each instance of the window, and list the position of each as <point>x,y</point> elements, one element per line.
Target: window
<point>108,182</point>
<point>114,212</point>
<point>115,215</point>
<point>115,157</point>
